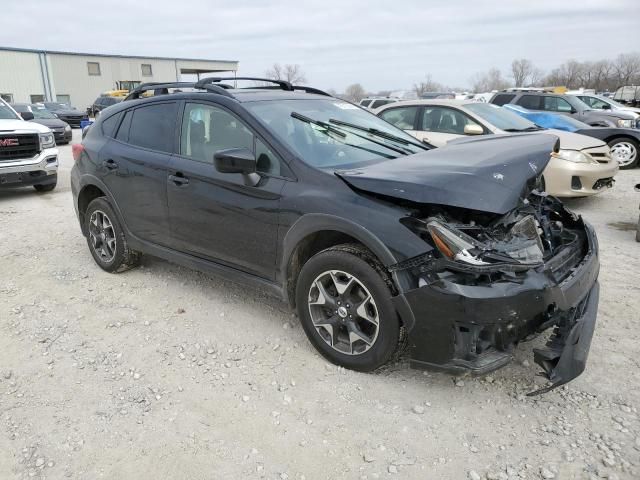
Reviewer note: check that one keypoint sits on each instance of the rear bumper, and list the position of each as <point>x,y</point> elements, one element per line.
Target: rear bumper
<point>569,179</point>
<point>467,328</point>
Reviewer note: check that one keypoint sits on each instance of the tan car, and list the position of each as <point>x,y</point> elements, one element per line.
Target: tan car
<point>582,167</point>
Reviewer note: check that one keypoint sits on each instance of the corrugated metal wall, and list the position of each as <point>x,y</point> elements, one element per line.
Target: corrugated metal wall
<point>23,74</point>
<point>20,75</point>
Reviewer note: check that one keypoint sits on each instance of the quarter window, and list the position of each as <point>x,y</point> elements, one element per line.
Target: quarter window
<point>123,131</point>
<point>110,124</point>
<point>153,127</point>
<point>401,117</point>
<point>93,68</point>
<point>147,70</point>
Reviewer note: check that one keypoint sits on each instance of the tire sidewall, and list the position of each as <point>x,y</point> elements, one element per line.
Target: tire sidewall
<point>389,326</point>
<point>103,205</point>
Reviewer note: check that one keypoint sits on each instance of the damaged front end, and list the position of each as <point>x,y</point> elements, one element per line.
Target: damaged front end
<point>491,281</point>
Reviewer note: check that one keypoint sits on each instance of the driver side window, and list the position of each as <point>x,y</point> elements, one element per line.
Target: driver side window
<point>207,129</point>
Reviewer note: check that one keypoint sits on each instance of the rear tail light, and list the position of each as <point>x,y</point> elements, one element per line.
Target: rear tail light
<point>77,149</point>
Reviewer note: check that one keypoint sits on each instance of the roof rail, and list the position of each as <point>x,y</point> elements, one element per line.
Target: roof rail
<point>161,88</point>
<point>213,85</point>
<point>283,84</point>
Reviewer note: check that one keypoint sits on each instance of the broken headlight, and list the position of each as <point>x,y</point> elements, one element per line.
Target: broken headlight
<point>574,156</point>
<point>520,245</point>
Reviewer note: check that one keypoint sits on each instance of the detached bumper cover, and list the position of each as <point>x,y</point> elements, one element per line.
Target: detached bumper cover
<point>462,328</point>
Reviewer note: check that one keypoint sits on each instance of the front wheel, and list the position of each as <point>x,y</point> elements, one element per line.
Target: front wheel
<point>344,305</point>
<point>106,239</point>
<point>625,152</point>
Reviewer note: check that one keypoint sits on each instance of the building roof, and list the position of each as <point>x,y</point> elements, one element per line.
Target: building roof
<point>148,57</point>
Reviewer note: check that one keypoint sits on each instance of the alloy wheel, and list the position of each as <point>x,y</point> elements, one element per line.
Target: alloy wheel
<point>343,312</point>
<point>102,236</point>
<point>624,153</point>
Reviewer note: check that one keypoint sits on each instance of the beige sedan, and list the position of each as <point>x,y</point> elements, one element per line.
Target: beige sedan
<point>582,167</point>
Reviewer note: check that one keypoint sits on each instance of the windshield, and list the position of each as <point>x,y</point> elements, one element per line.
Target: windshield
<point>6,113</point>
<point>42,113</point>
<point>333,133</point>
<point>500,117</point>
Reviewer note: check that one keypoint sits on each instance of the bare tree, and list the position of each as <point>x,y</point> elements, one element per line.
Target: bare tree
<point>568,74</point>
<point>522,71</point>
<point>290,73</point>
<point>627,67</point>
<point>491,80</point>
<point>355,92</point>
<point>428,85</point>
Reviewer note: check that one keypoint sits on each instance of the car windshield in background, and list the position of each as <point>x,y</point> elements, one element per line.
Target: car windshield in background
<point>53,106</point>
<point>42,113</point>
<point>576,103</point>
<point>7,114</point>
<point>502,118</point>
<point>333,133</point>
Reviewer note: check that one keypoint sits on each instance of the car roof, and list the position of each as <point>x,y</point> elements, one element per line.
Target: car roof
<point>426,101</point>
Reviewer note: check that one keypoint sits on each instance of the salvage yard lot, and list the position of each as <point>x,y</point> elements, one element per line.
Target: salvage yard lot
<point>163,372</point>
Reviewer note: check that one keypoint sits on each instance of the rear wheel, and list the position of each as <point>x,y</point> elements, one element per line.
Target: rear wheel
<point>106,239</point>
<point>344,305</point>
<point>625,152</point>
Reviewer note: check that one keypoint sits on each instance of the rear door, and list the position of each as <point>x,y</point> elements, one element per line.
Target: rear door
<point>217,216</point>
<point>134,167</point>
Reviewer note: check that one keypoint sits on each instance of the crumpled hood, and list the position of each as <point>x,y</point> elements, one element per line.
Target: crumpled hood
<point>484,173</point>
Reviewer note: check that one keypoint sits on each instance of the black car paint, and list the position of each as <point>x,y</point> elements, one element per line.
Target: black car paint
<point>70,115</point>
<point>606,134</point>
<point>57,126</point>
<point>258,231</point>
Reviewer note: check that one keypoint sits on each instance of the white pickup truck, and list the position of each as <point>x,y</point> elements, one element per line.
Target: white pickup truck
<point>28,153</point>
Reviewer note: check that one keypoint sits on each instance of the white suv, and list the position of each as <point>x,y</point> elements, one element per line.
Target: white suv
<point>28,153</point>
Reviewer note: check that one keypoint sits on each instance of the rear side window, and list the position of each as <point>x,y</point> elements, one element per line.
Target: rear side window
<point>502,99</point>
<point>154,127</point>
<point>401,117</point>
<point>379,103</point>
<point>530,101</point>
<point>123,131</point>
<point>110,124</point>
<point>556,104</point>
<point>364,103</point>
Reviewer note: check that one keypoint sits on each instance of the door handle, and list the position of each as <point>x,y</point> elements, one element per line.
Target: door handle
<point>110,164</point>
<point>179,179</point>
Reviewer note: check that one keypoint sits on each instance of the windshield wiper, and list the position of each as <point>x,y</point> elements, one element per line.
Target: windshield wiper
<point>377,133</point>
<point>331,132</point>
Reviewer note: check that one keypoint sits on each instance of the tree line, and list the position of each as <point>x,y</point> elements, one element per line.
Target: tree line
<point>600,75</point>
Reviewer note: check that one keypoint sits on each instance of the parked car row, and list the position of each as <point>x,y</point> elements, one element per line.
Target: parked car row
<point>376,239</point>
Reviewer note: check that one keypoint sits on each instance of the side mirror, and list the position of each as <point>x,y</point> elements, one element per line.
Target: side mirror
<point>606,106</point>
<point>637,188</point>
<point>238,160</point>
<point>27,115</point>
<point>473,129</point>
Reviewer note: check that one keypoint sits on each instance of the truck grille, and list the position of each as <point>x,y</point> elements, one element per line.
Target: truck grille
<point>18,145</point>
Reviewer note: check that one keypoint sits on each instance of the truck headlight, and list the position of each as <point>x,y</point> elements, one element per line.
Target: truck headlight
<point>574,156</point>
<point>47,140</point>
<point>625,123</point>
<point>67,128</point>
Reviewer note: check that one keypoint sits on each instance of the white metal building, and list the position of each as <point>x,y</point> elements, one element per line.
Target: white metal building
<point>78,78</point>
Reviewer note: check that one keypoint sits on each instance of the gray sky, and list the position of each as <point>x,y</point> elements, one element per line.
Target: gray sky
<point>383,45</point>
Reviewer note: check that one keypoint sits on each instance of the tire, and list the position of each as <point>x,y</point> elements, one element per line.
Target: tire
<point>106,239</point>
<point>625,150</point>
<point>335,266</point>
<point>47,187</point>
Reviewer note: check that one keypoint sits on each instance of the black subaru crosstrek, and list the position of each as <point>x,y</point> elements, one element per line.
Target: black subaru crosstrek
<point>376,240</point>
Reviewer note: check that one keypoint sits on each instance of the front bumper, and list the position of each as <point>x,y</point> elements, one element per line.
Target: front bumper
<point>62,136</point>
<point>38,170</point>
<point>461,328</point>
<point>568,179</point>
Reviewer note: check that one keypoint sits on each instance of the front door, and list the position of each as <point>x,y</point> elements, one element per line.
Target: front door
<point>218,216</point>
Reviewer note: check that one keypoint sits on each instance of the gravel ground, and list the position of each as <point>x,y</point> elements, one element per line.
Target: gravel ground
<point>163,372</point>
